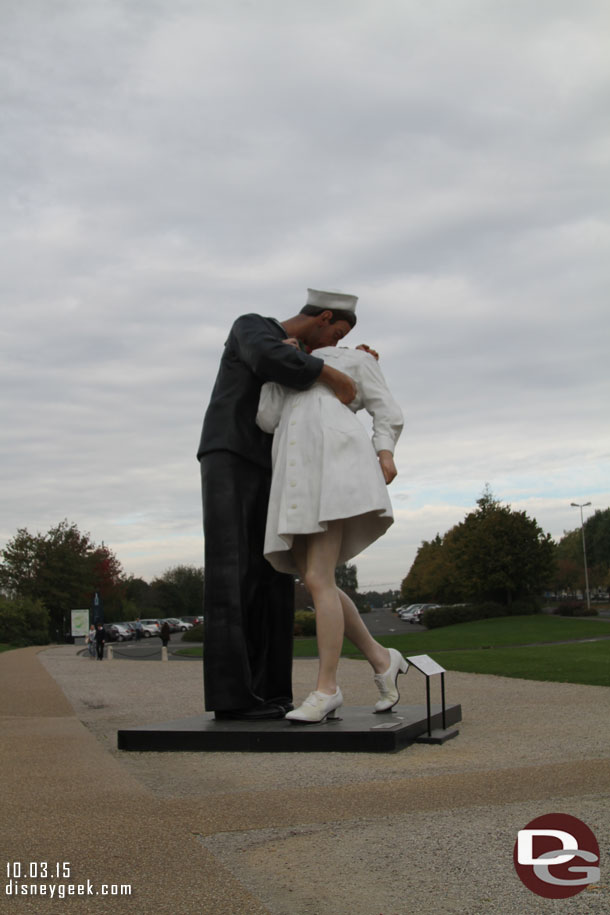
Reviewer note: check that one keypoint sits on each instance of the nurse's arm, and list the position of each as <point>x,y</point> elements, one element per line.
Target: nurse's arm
<point>341,384</point>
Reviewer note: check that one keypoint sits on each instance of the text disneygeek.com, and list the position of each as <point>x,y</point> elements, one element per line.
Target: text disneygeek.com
<point>41,878</point>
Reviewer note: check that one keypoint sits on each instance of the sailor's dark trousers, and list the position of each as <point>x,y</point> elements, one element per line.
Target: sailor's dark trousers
<point>248,606</point>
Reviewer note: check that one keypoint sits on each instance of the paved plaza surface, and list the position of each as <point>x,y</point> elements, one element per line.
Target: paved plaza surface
<point>430,829</point>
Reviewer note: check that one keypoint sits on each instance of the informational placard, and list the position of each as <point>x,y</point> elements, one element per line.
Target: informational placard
<point>80,622</point>
<point>426,665</point>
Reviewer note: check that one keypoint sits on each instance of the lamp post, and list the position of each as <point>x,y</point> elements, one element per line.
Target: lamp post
<point>584,548</point>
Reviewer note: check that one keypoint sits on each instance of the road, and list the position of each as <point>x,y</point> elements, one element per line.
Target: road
<point>378,622</point>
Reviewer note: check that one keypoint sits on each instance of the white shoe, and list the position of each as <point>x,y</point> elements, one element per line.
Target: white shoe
<point>387,682</point>
<point>316,708</point>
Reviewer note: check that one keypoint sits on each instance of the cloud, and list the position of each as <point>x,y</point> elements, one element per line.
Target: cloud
<point>169,166</point>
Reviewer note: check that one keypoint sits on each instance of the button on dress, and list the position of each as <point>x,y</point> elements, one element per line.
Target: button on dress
<point>325,466</point>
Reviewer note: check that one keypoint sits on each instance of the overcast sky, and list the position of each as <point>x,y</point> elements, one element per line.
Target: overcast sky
<point>169,165</point>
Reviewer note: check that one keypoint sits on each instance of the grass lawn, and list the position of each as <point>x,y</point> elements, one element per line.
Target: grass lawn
<point>493,633</point>
<point>194,651</point>
<point>580,662</point>
<point>4,647</point>
<point>497,646</point>
<point>463,647</point>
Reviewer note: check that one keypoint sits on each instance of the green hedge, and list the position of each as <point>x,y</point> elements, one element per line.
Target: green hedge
<point>193,635</point>
<point>466,613</point>
<point>304,623</point>
<point>575,608</point>
<point>23,622</point>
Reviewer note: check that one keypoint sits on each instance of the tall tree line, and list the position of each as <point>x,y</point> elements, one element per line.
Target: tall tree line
<point>570,556</point>
<point>63,569</point>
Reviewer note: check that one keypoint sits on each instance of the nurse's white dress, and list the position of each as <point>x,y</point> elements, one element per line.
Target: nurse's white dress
<point>324,464</point>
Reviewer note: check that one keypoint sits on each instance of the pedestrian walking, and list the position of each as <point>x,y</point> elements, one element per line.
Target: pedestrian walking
<point>91,641</point>
<point>100,638</point>
<point>165,633</point>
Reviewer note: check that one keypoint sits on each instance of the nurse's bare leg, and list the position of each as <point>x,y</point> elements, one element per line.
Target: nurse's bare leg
<point>312,558</point>
<point>355,630</point>
<point>316,558</point>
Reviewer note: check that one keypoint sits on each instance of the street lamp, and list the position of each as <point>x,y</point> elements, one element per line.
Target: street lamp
<point>584,548</point>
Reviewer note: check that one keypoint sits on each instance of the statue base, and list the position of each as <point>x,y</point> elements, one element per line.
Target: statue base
<point>357,730</point>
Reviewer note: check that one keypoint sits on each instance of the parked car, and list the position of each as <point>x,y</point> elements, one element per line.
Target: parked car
<point>176,625</point>
<point>123,631</point>
<point>111,633</point>
<point>407,612</point>
<point>417,615</point>
<point>414,617</point>
<point>413,614</point>
<point>150,628</point>
<point>193,620</point>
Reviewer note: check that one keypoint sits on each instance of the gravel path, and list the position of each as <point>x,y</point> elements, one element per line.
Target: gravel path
<point>427,830</point>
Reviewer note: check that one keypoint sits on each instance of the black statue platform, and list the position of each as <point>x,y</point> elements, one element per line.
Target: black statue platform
<point>357,730</point>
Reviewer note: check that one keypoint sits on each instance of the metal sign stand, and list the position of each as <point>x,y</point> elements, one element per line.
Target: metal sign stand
<point>427,666</point>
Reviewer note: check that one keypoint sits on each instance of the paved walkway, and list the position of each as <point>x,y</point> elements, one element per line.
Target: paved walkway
<point>427,830</point>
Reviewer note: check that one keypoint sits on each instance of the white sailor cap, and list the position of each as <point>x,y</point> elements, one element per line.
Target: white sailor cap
<point>332,299</point>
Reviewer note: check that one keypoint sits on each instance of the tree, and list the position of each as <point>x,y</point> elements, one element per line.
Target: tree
<point>569,554</point>
<point>139,595</point>
<point>568,575</point>
<point>597,538</point>
<point>494,554</point>
<point>431,576</point>
<point>62,568</point>
<point>501,555</point>
<point>109,581</point>
<point>597,534</point>
<point>346,576</point>
<point>179,591</point>
<point>19,566</point>
<point>23,621</point>
<point>377,599</point>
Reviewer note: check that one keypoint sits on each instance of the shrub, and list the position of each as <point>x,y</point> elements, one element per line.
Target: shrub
<point>23,621</point>
<point>575,608</point>
<point>436,617</point>
<point>193,635</point>
<point>523,607</point>
<point>466,613</point>
<point>304,623</point>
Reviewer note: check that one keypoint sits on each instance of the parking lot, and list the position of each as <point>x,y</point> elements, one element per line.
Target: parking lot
<point>379,622</point>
